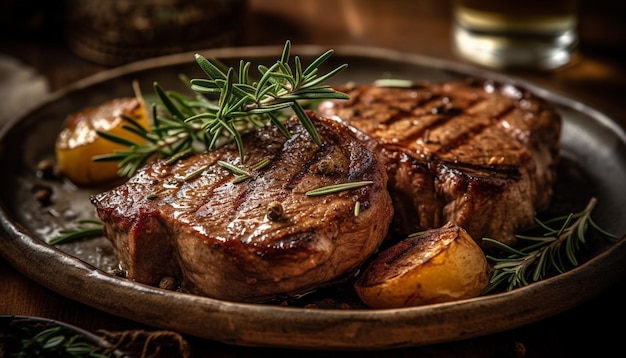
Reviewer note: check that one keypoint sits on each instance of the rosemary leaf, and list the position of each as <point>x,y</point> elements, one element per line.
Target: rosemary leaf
<point>261,164</point>
<point>306,122</point>
<point>267,73</point>
<point>140,132</point>
<point>84,229</point>
<point>209,68</point>
<point>233,168</point>
<point>393,82</point>
<point>177,156</point>
<point>167,102</point>
<point>325,77</point>
<point>330,189</point>
<point>194,174</point>
<point>299,74</point>
<point>270,108</point>
<point>134,123</point>
<point>115,139</point>
<point>317,63</point>
<point>284,57</point>
<point>278,124</point>
<point>241,179</point>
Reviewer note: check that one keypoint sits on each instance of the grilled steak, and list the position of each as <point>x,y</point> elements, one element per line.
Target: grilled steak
<point>481,155</point>
<point>260,238</point>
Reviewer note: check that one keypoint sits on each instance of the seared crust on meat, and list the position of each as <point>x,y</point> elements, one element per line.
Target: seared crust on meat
<point>215,237</point>
<point>478,154</point>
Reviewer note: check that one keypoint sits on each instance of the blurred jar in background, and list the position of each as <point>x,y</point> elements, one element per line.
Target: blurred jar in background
<point>113,32</point>
<point>516,33</point>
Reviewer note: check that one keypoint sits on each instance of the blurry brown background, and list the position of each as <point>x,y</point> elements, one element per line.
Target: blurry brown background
<point>39,33</point>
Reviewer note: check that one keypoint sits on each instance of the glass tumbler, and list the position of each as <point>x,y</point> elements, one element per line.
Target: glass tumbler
<point>516,33</point>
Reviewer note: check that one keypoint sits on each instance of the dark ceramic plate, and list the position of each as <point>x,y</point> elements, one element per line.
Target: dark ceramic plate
<point>594,153</point>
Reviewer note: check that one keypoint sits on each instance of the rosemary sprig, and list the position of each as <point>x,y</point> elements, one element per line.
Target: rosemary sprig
<point>84,229</point>
<point>225,105</point>
<point>545,254</point>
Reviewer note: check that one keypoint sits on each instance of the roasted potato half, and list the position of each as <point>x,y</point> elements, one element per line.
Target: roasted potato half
<point>439,265</point>
<point>77,143</point>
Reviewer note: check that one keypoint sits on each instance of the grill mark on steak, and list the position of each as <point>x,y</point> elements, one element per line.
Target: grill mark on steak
<point>214,237</point>
<point>440,148</point>
<point>411,123</point>
<point>297,177</point>
<point>437,135</point>
<point>480,154</point>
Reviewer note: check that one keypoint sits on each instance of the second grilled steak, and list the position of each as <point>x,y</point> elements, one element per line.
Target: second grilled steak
<point>260,238</point>
<point>481,155</point>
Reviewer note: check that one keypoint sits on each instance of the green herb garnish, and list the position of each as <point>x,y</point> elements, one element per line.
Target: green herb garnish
<point>84,229</point>
<point>330,189</point>
<point>242,174</point>
<point>226,104</point>
<point>546,253</point>
<point>51,342</point>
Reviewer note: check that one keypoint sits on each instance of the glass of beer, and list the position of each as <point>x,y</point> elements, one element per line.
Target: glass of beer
<point>514,33</point>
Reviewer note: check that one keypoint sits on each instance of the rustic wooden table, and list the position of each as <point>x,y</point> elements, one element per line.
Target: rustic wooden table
<point>597,78</point>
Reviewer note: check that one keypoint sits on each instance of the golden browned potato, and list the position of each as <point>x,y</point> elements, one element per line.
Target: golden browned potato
<point>78,142</point>
<point>440,265</point>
